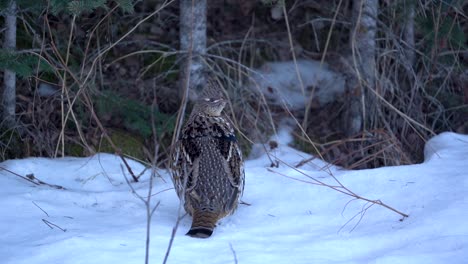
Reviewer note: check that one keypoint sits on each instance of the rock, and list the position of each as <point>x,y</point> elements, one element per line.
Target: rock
<point>276,12</point>
<point>47,90</point>
<point>279,82</point>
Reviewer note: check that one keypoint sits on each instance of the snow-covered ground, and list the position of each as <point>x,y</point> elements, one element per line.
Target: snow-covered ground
<point>287,221</point>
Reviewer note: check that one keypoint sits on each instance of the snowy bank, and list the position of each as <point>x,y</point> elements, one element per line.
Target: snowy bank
<point>97,219</point>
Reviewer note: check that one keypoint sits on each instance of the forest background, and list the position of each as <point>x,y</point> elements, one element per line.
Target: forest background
<point>81,77</point>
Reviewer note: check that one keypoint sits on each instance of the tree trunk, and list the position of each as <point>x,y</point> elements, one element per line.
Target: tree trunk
<point>9,77</point>
<point>193,40</point>
<point>409,35</point>
<point>362,106</point>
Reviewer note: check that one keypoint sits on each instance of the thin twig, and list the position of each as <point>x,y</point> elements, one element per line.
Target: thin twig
<point>233,253</point>
<point>51,225</point>
<point>361,214</point>
<point>40,208</point>
<point>330,31</point>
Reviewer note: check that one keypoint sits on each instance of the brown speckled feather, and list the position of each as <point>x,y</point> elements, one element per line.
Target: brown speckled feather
<point>209,162</point>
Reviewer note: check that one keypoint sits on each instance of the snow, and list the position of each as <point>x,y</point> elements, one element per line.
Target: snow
<point>287,221</point>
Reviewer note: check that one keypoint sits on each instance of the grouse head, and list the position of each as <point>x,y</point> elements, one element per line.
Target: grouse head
<point>212,106</point>
<point>211,101</point>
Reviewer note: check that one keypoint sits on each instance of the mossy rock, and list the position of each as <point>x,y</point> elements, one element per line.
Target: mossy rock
<point>130,144</point>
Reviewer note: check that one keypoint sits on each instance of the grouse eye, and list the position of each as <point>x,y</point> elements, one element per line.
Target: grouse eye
<point>213,100</point>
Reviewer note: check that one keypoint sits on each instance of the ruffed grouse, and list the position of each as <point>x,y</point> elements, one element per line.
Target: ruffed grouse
<point>208,171</point>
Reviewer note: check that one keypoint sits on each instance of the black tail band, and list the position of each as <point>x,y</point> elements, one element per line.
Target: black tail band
<point>200,232</point>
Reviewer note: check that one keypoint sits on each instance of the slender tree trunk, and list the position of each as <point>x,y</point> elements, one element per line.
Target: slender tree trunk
<point>363,103</point>
<point>193,39</point>
<point>9,77</point>
<point>409,35</point>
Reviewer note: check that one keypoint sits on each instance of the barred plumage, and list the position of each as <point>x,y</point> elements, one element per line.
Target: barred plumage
<point>208,171</point>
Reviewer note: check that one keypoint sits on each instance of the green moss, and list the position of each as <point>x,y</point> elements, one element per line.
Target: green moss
<point>130,144</point>
<point>11,147</point>
<point>304,146</point>
<point>74,150</point>
<point>244,145</point>
<point>135,115</point>
<point>160,63</point>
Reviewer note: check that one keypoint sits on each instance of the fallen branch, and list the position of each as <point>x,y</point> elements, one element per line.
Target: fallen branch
<point>32,179</point>
<point>339,187</point>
